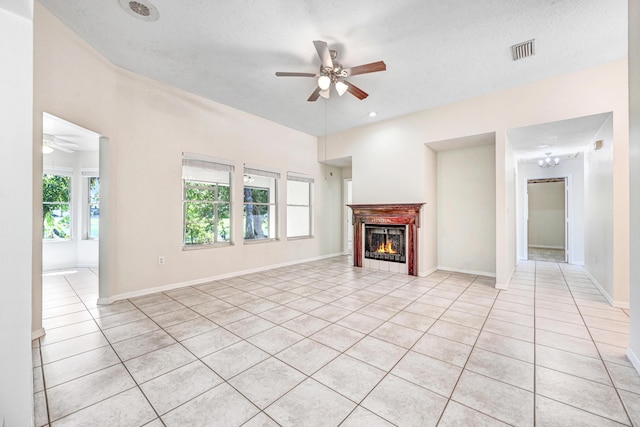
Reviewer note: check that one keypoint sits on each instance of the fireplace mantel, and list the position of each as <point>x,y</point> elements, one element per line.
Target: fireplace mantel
<point>393,214</point>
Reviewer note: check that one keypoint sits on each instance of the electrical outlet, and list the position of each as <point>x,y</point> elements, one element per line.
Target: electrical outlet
<point>160,260</point>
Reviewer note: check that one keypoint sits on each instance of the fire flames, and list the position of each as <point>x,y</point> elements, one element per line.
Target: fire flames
<point>386,248</point>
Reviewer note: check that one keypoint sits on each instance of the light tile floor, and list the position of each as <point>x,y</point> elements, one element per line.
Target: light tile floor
<point>324,343</point>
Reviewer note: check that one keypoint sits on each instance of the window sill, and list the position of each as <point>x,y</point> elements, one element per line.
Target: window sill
<point>56,240</point>
<point>258,241</point>
<point>207,246</point>
<point>299,238</point>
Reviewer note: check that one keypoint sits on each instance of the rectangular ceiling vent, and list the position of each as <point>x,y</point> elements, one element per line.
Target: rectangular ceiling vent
<point>523,50</point>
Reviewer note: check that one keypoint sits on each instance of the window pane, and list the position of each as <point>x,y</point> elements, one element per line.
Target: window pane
<point>224,193</point>
<point>94,190</point>
<point>224,222</point>
<point>55,188</point>
<point>94,221</point>
<point>298,221</point>
<point>200,191</point>
<point>256,222</point>
<point>257,195</point>
<point>297,193</point>
<point>56,221</point>
<point>198,233</point>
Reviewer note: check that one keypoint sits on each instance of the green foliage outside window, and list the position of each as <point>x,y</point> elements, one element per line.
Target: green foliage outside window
<point>56,218</point>
<point>256,213</point>
<point>207,210</point>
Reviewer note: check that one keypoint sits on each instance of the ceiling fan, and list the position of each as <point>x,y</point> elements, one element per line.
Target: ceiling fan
<point>51,142</point>
<point>333,74</point>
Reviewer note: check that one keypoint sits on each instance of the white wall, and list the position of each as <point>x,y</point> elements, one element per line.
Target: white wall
<point>466,193</point>
<point>592,91</point>
<point>145,164</point>
<point>573,169</point>
<point>634,161</point>
<point>599,216</point>
<point>16,153</point>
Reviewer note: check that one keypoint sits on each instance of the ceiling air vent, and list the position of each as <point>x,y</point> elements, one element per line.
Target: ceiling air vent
<point>523,50</point>
<point>141,9</point>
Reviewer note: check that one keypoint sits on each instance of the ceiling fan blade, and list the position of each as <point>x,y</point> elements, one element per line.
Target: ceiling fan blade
<point>366,68</point>
<point>287,74</point>
<point>323,53</point>
<point>355,91</point>
<point>314,96</point>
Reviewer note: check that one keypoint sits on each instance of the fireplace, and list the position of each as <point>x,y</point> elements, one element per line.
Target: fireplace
<point>395,227</point>
<point>386,243</point>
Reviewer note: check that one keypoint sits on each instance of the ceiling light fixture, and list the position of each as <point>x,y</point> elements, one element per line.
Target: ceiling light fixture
<point>141,9</point>
<point>548,162</point>
<point>46,149</point>
<point>373,114</point>
<point>324,82</point>
<point>341,87</point>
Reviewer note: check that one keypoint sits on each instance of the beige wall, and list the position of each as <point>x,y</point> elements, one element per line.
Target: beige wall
<point>467,210</point>
<point>16,153</point>
<point>591,91</point>
<point>149,126</point>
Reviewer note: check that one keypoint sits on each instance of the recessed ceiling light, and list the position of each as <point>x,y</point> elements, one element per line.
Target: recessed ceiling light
<point>141,9</point>
<point>543,146</point>
<point>373,114</point>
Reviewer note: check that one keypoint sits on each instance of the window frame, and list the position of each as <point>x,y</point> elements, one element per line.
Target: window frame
<point>272,205</point>
<point>296,177</point>
<point>207,164</point>
<point>65,172</point>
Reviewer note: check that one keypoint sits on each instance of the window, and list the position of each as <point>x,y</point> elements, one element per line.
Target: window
<point>206,201</point>
<point>56,207</point>
<point>93,208</point>
<point>260,204</point>
<point>299,212</point>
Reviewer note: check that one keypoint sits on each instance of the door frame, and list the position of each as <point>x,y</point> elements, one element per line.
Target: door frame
<point>346,222</point>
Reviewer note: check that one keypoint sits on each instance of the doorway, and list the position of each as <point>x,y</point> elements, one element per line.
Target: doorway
<point>547,226</point>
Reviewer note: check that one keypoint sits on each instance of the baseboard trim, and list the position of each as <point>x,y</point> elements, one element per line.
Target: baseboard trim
<point>459,270</point>
<point>428,272</point>
<point>633,359</point>
<point>200,281</point>
<point>505,286</point>
<point>38,333</point>
<point>609,298</point>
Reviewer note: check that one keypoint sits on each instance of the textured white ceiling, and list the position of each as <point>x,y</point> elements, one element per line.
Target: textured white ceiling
<point>562,139</point>
<point>436,52</point>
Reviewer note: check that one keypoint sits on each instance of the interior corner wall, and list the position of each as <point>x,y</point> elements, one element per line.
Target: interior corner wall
<point>574,170</point>
<point>16,154</point>
<point>149,126</point>
<point>634,160</point>
<point>428,232</point>
<point>467,210</point>
<point>598,208</point>
<point>546,215</point>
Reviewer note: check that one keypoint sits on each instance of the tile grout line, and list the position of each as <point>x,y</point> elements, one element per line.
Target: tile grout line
<point>613,384</point>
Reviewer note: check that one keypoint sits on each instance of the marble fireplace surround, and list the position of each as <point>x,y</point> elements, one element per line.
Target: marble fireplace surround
<point>391,214</point>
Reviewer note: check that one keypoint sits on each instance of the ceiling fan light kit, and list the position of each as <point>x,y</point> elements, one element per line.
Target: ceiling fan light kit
<point>332,73</point>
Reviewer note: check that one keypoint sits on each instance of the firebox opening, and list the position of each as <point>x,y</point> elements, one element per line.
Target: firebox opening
<point>385,243</point>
